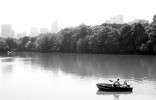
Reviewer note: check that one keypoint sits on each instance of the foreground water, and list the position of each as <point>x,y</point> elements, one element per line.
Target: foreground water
<point>28,76</point>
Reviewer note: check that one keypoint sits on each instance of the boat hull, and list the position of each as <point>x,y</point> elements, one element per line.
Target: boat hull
<point>110,87</point>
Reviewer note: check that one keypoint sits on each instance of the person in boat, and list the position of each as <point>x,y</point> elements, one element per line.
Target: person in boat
<point>125,84</point>
<point>116,83</point>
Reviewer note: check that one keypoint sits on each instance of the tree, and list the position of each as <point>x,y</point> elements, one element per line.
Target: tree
<point>154,18</point>
<point>54,43</point>
<point>138,36</point>
<point>23,43</point>
<point>3,45</point>
<point>98,38</point>
<point>152,39</point>
<point>42,43</point>
<point>65,40</point>
<point>84,30</point>
<point>82,45</point>
<point>45,45</point>
<point>11,43</point>
<point>144,48</point>
<point>125,39</point>
<point>112,43</point>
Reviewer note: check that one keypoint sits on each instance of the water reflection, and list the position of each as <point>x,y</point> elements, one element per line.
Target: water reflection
<point>7,69</point>
<point>116,95</point>
<point>34,73</point>
<point>7,59</point>
<point>138,71</point>
<point>123,66</point>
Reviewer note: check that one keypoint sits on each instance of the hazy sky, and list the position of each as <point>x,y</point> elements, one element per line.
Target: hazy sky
<point>23,14</point>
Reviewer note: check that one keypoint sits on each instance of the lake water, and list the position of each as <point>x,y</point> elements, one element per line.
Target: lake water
<point>35,76</point>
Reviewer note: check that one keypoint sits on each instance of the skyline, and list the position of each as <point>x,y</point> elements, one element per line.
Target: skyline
<point>23,14</point>
<point>51,30</point>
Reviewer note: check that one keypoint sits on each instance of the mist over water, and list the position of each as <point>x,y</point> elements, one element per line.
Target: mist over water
<point>37,76</point>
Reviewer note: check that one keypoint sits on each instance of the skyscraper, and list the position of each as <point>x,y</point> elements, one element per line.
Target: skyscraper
<point>20,35</point>
<point>12,35</point>
<point>107,21</point>
<point>117,19</point>
<point>54,28</point>
<point>142,21</point>
<point>34,31</point>
<point>6,30</point>
<point>43,30</point>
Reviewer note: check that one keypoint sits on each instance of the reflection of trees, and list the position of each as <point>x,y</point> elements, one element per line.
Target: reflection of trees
<point>8,59</point>
<point>107,65</point>
<point>98,65</point>
<point>47,61</point>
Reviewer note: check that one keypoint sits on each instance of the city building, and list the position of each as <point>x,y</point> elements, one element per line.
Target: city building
<point>117,19</point>
<point>59,29</point>
<point>142,21</point>
<point>6,30</point>
<point>12,35</point>
<point>43,30</point>
<point>34,31</point>
<point>107,21</point>
<point>21,35</point>
<point>54,28</point>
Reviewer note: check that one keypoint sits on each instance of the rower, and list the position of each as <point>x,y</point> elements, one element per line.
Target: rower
<point>116,83</point>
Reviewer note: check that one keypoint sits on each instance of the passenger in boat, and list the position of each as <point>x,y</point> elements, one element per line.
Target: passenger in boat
<point>116,83</point>
<point>125,84</point>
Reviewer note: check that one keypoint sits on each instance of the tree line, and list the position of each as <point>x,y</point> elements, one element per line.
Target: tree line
<point>137,38</point>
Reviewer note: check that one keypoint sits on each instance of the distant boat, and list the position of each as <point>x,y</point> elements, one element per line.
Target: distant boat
<point>9,52</point>
<point>110,87</point>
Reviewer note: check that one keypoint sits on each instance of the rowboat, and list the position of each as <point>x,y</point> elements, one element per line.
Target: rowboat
<point>110,87</point>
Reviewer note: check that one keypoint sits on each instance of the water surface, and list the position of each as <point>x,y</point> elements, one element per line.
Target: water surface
<point>35,76</point>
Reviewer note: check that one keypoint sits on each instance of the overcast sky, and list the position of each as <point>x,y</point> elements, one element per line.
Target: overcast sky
<point>23,14</point>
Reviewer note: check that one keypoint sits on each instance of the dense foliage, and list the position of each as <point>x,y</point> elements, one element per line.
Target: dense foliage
<point>105,38</point>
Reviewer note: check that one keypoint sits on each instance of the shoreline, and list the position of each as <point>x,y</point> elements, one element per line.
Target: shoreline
<point>131,54</point>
